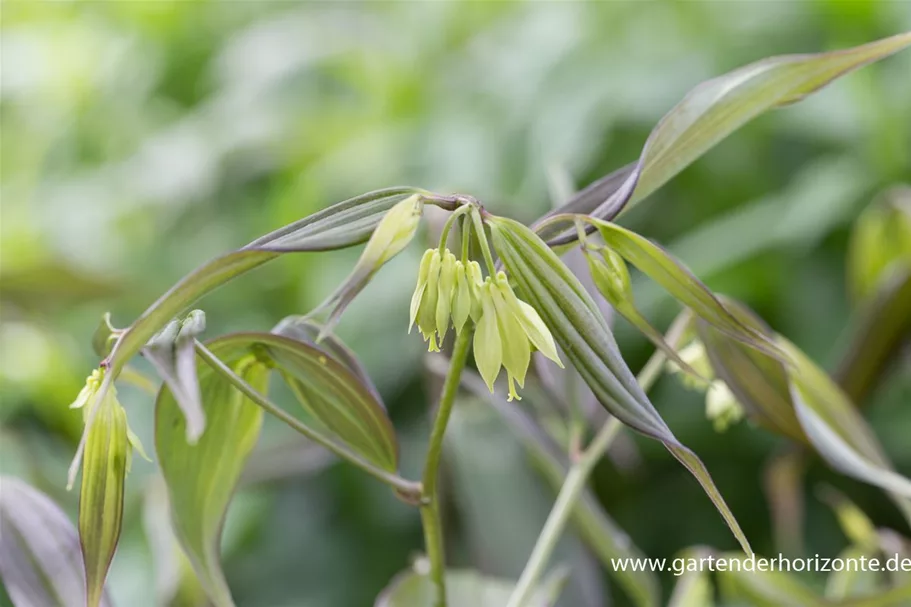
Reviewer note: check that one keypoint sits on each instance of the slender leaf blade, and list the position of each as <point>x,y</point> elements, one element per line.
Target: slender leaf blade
<point>712,111</point>
<point>341,225</point>
<point>681,283</point>
<point>584,336</point>
<point>201,478</point>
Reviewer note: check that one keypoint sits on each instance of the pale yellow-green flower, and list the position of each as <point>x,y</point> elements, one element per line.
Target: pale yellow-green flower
<point>446,295</point>
<point>721,406</point>
<point>507,331</point>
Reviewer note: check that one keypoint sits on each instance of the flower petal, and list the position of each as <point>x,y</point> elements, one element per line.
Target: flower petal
<point>488,350</point>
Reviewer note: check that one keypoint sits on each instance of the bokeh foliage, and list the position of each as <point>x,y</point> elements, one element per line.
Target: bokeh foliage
<point>141,139</point>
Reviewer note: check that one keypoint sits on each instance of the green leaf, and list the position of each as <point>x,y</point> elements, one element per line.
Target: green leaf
<point>39,549</point>
<point>201,478</point>
<point>176,584</point>
<point>803,393</point>
<point>584,336</point>
<point>837,431</point>
<point>104,469</point>
<point>681,283</point>
<point>604,537</point>
<point>882,326</point>
<point>464,588</point>
<point>303,329</point>
<point>712,111</point>
<point>759,382</point>
<point>341,225</point>
<point>333,395</point>
<point>173,354</point>
<point>392,234</point>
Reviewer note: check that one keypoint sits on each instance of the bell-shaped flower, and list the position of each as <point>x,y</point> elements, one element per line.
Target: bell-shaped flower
<point>507,330</point>
<point>426,294</point>
<point>446,292</point>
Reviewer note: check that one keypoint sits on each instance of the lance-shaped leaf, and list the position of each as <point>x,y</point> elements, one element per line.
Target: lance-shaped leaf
<point>107,459</point>
<point>173,354</point>
<point>659,265</point>
<point>825,417</point>
<point>392,234</point>
<point>303,329</point>
<point>334,396</point>
<point>201,478</point>
<point>607,540</point>
<point>464,588</point>
<point>580,330</point>
<point>837,431</point>
<point>40,561</point>
<point>341,225</point>
<point>711,112</point>
<point>759,382</point>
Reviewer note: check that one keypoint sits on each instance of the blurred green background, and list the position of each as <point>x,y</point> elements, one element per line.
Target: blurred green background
<point>140,139</point>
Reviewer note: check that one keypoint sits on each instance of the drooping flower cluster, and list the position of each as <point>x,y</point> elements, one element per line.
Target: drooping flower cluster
<point>449,292</point>
<point>446,294</point>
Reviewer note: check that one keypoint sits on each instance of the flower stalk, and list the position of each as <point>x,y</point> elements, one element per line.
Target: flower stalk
<point>430,506</point>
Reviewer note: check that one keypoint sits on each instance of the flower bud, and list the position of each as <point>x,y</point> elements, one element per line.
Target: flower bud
<point>421,288</point>
<point>488,349</point>
<point>105,463</point>
<point>391,235</point>
<point>475,280</point>
<point>610,275</point>
<point>695,356</point>
<point>446,289</point>
<point>394,231</point>
<point>427,308</point>
<point>461,301</point>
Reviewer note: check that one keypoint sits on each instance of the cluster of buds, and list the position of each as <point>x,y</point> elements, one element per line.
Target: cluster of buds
<point>449,292</point>
<point>721,406</point>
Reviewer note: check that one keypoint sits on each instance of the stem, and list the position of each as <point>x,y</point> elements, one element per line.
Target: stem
<point>572,488</point>
<point>482,240</point>
<point>447,227</point>
<point>408,489</point>
<point>430,508</point>
<point>466,239</point>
